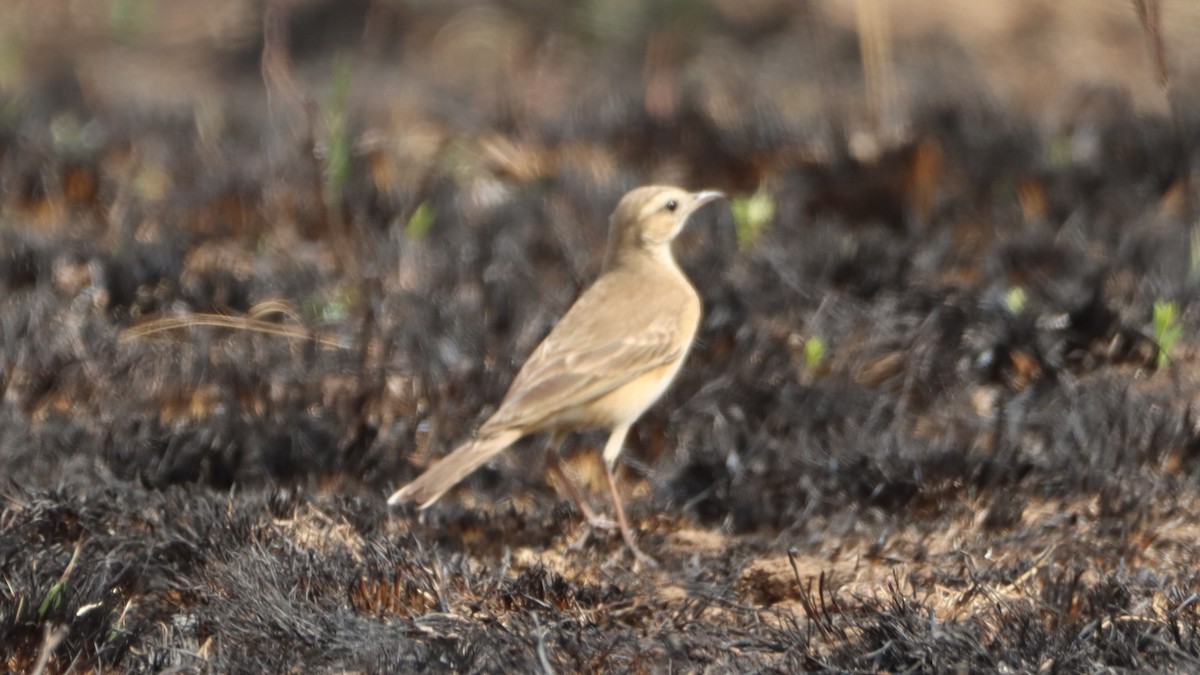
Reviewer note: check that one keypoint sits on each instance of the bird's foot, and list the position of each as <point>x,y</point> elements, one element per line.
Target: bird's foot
<point>640,559</point>
<point>591,525</point>
<point>596,522</point>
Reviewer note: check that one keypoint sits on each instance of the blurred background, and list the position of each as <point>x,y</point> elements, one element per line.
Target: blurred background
<point>541,60</point>
<point>505,93</point>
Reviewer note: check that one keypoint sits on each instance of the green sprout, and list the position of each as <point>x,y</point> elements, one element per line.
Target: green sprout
<point>1167,330</point>
<point>421,221</point>
<point>72,136</point>
<point>1194,258</point>
<point>333,309</point>
<point>751,216</point>
<point>815,351</point>
<point>337,156</point>
<point>1015,300</point>
<point>53,599</point>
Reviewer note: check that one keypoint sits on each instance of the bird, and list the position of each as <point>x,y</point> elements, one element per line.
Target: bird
<point>607,360</point>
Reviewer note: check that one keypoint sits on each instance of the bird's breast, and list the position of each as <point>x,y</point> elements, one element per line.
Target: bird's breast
<point>623,405</point>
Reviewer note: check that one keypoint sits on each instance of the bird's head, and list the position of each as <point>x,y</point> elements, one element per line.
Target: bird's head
<point>648,219</point>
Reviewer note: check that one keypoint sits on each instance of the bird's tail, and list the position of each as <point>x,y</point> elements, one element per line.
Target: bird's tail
<point>452,468</point>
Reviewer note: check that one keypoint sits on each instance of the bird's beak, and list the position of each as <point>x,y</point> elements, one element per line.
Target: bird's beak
<point>701,198</point>
<point>698,199</point>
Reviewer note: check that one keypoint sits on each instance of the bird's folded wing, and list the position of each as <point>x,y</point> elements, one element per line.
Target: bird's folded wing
<point>559,376</point>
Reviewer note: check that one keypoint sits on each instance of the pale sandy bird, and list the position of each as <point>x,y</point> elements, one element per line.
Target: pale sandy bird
<point>611,356</point>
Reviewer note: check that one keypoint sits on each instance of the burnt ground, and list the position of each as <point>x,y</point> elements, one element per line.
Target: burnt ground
<point>987,470</point>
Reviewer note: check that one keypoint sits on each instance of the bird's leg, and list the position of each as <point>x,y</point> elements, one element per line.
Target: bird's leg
<point>612,450</point>
<point>569,487</point>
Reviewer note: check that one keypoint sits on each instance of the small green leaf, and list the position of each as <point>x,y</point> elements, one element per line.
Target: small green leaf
<point>751,216</point>
<point>53,599</point>
<point>1194,258</point>
<point>814,352</point>
<point>421,221</point>
<point>337,158</point>
<point>1015,300</point>
<point>335,311</point>
<point>332,309</point>
<point>1167,330</point>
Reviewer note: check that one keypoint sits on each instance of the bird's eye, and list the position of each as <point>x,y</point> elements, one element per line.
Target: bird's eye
<point>672,205</point>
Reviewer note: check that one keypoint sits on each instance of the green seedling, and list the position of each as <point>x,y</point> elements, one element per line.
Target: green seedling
<point>72,136</point>
<point>815,352</point>
<point>1167,330</point>
<point>1015,300</point>
<point>53,599</point>
<point>332,310</point>
<point>337,154</point>
<point>1194,257</point>
<point>751,216</point>
<point>421,221</point>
